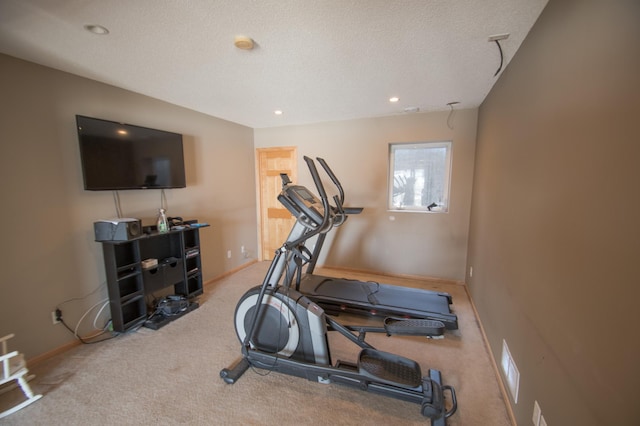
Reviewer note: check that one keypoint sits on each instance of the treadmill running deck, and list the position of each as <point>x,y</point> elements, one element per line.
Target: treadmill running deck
<point>337,295</point>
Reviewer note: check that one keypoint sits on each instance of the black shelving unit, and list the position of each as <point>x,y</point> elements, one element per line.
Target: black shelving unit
<point>192,285</point>
<point>179,265</point>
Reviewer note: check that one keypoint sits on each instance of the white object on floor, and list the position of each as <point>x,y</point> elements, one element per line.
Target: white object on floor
<point>14,367</point>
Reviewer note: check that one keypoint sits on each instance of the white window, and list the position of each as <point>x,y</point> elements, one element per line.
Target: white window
<point>419,175</point>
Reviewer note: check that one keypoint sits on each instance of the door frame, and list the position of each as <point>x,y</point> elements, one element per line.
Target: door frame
<point>294,174</point>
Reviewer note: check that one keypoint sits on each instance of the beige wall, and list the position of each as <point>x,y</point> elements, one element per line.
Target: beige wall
<point>555,229</point>
<point>49,254</point>
<point>425,244</point>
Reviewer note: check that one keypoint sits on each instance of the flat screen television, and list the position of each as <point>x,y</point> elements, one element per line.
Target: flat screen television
<point>117,156</point>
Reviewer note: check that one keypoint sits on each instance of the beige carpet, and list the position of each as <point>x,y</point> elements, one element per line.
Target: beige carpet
<point>171,376</point>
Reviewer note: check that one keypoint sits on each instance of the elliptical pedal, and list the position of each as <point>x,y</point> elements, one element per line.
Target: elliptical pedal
<point>389,368</point>
<point>413,327</point>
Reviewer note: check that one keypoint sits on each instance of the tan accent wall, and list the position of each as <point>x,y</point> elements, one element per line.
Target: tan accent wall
<point>424,244</point>
<point>49,254</point>
<point>555,229</point>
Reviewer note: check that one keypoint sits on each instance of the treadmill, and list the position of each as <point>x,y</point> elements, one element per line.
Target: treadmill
<point>338,295</point>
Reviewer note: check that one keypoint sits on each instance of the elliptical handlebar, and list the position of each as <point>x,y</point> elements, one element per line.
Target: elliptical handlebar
<point>334,179</point>
<point>317,181</point>
<point>341,211</point>
<point>326,218</point>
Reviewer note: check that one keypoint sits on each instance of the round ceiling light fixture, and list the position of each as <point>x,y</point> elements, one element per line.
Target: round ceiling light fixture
<point>244,43</point>
<point>96,29</point>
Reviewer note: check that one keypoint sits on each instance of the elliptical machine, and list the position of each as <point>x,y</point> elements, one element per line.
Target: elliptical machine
<point>282,330</point>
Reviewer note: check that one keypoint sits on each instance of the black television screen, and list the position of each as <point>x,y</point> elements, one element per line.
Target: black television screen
<point>122,156</point>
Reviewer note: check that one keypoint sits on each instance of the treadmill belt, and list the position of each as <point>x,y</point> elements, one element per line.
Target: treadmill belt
<point>353,290</point>
<point>336,295</point>
<point>381,294</point>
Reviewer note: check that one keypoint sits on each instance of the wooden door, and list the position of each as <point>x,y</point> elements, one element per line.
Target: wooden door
<point>275,221</point>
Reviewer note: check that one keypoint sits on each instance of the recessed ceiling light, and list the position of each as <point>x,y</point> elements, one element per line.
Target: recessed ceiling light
<point>394,99</point>
<point>96,29</point>
<point>277,112</point>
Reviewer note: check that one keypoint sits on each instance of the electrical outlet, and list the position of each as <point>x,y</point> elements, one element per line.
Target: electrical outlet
<point>55,318</point>
<point>228,254</point>
<point>245,253</point>
<point>470,271</point>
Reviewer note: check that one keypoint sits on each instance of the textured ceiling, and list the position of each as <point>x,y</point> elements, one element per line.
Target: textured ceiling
<point>316,60</point>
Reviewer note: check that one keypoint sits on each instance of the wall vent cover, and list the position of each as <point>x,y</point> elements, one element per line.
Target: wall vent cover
<point>511,373</point>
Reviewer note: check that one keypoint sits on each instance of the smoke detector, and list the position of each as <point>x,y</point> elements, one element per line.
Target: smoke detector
<point>244,43</point>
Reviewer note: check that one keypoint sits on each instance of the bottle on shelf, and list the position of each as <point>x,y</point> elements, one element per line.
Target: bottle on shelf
<point>163,223</point>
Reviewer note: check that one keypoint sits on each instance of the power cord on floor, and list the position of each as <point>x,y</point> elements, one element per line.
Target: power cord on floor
<point>85,340</point>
